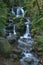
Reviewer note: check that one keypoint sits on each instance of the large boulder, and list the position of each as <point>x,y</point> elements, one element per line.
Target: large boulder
<point>5,47</point>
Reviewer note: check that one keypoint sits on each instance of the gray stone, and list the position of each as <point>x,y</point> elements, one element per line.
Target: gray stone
<point>29,60</point>
<point>11,38</point>
<point>17,51</point>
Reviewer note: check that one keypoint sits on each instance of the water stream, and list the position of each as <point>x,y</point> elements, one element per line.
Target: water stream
<point>25,42</point>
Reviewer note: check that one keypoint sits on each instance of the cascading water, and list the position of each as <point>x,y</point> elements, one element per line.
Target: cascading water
<point>10,30</point>
<point>12,11</point>
<point>25,44</point>
<point>20,12</point>
<point>14,30</point>
<point>26,38</point>
<point>27,33</point>
<point>27,30</point>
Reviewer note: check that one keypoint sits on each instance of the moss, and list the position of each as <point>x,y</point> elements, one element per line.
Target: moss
<point>5,47</point>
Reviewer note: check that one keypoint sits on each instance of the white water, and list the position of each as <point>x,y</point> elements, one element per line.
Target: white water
<point>12,11</point>
<point>30,56</point>
<point>14,30</point>
<point>20,12</point>
<point>27,33</point>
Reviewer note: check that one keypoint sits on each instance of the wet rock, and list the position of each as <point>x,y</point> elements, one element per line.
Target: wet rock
<point>29,60</point>
<point>17,51</point>
<point>11,38</point>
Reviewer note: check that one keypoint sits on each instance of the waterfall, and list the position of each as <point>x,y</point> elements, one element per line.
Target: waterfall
<point>26,38</point>
<point>27,33</point>
<point>20,12</point>
<point>14,30</point>
<point>25,42</point>
<point>12,11</point>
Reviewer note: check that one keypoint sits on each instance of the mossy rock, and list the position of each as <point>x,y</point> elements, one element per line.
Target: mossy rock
<point>5,47</point>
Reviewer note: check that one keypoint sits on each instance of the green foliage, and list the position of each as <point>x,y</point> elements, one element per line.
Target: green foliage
<point>5,47</point>
<point>37,27</point>
<point>19,19</point>
<point>40,38</point>
<point>3,14</point>
<point>20,27</point>
<point>33,31</point>
<point>37,23</point>
<point>1,25</point>
<point>39,43</point>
